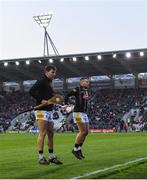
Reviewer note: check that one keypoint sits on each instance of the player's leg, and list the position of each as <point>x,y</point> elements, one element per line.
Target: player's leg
<point>42,127</point>
<point>42,124</point>
<point>82,123</point>
<point>85,133</point>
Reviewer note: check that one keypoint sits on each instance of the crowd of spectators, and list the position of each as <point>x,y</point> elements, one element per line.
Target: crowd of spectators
<point>12,103</point>
<point>105,108</point>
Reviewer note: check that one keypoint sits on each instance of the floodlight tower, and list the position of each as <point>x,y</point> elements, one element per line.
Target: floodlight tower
<point>43,21</point>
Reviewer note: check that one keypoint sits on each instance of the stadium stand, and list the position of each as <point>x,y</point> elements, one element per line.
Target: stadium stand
<point>117,103</point>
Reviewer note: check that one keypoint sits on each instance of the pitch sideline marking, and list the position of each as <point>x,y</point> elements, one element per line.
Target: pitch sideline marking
<point>112,167</point>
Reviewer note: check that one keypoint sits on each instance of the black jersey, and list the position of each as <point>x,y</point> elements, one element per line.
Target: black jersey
<point>81,95</point>
<point>42,90</point>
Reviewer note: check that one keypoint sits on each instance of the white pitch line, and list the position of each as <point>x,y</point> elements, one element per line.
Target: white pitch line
<point>112,167</point>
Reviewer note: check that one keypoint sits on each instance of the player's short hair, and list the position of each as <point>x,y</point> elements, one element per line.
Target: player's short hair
<point>83,78</point>
<point>50,67</point>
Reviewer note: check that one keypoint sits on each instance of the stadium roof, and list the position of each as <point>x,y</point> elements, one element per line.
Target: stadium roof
<point>76,65</point>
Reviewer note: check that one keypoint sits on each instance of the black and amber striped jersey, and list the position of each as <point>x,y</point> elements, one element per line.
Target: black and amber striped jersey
<point>81,97</point>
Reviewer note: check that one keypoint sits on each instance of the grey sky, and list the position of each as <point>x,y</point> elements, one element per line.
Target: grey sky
<point>76,27</point>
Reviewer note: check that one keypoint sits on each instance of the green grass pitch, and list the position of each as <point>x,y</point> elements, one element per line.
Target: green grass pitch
<point>19,158</point>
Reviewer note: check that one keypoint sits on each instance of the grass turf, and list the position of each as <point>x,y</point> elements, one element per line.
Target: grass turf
<point>18,156</point>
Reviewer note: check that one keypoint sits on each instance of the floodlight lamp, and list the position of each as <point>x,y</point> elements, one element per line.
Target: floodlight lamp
<point>17,63</point>
<point>27,62</point>
<point>114,55</point>
<point>62,59</point>
<point>86,58</point>
<point>5,64</point>
<point>128,54</point>
<point>74,59</point>
<point>141,53</point>
<point>36,18</point>
<point>99,57</point>
<point>50,60</point>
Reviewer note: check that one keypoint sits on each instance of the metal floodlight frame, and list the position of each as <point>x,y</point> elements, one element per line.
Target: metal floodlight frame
<point>43,20</point>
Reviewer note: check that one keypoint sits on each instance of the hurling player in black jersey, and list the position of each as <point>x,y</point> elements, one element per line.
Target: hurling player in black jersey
<point>41,91</point>
<point>79,115</point>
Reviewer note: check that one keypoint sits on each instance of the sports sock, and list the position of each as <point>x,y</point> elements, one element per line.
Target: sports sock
<point>51,154</point>
<point>41,154</point>
<point>77,147</point>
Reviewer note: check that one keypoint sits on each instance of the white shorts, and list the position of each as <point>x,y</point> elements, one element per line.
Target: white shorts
<point>80,117</point>
<point>44,115</point>
<point>49,116</point>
